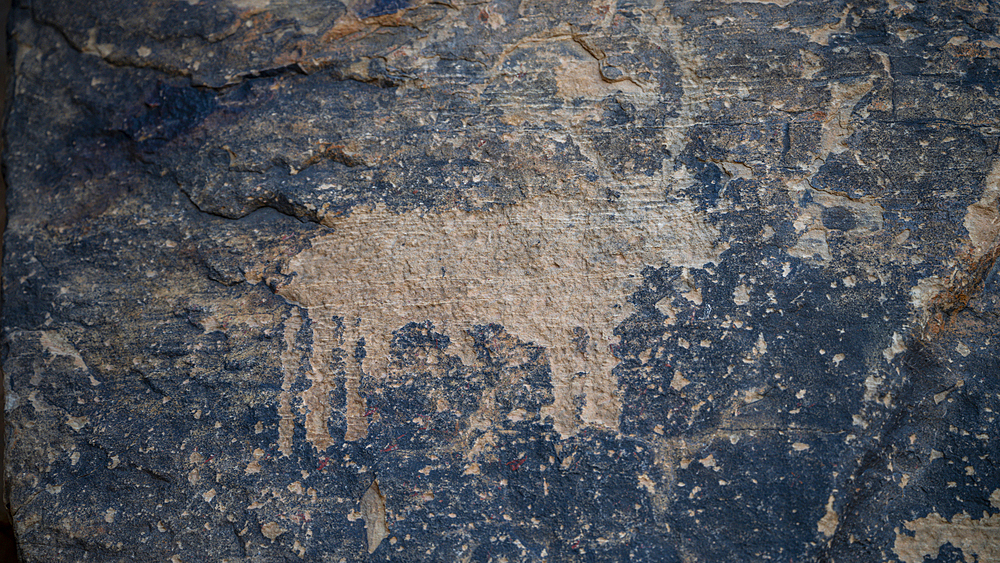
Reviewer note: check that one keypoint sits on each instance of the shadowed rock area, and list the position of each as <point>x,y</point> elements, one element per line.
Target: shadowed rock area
<point>412,280</point>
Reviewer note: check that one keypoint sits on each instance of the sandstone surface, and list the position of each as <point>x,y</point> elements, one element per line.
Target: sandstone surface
<point>507,280</point>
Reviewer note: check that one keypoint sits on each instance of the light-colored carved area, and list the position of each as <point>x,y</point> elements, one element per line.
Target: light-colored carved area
<point>979,539</point>
<point>56,344</point>
<point>373,511</point>
<point>543,268</point>
<point>289,365</point>
<point>837,128</point>
<point>983,218</point>
<point>982,222</point>
<point>828,523</point>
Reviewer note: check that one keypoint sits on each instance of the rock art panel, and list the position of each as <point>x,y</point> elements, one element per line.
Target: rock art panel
<point>555,271</point>
<point>510,280</point>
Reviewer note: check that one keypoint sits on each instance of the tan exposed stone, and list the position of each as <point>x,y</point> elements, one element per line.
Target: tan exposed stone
<point>540,268</point>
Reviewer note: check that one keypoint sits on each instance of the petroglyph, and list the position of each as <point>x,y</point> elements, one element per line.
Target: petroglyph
<point>863,215</point>
<point>544,268</point>
<point>289,360</point>
<point>979,538</point>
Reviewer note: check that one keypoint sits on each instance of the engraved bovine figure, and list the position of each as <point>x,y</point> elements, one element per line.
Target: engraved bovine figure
<point>548,268</point>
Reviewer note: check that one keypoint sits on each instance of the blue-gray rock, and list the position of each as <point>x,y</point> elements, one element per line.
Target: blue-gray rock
<point>414,280</point>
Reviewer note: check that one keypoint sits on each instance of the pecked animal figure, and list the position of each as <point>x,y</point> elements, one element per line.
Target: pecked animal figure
<point>545,268</point>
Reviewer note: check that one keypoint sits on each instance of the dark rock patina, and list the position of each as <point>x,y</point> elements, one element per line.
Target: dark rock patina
<point>430,281</point>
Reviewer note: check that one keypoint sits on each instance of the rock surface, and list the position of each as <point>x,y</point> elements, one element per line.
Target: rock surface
<point>481,281</point>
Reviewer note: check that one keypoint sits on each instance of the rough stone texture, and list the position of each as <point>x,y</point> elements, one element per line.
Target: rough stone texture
<point>550,281</point>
